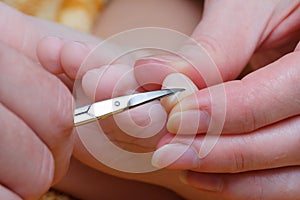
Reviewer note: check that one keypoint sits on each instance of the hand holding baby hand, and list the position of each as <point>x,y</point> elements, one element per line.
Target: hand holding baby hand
<point>258,115</point>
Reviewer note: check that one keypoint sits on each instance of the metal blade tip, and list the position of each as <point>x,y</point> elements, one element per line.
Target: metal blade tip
<point>175,90</point>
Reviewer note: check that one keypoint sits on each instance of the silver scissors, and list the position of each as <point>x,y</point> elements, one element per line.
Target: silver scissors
<point>106,108</point>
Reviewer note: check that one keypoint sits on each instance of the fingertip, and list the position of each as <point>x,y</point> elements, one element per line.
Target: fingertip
<point>166,139</point>
<point>188,122</point>
<point>176,156</point>
<point>73,54</point>
<point>165,155</point>
<point>90,81</point>
<point>6,193</point>
<point>150,73</point>
<point>48,53</point>
<point>109,80</point>
<point>177,80</point>
<point>143,122</point>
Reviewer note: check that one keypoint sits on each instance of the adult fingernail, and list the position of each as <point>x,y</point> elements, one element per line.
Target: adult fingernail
<point>151,71</point>
<point>177,156</point>
<point>188,122</point>
<point>177,80</point>
<point>202,181</point>
<point>174,61</point>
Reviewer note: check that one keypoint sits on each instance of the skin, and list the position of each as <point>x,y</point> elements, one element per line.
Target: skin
<point>237,157</point>
<point>66,64</point>
<point>230,185</point>
<point>257,155</point>
<point>26,111</point>
<point>19,44</point>
<point>129,11</point>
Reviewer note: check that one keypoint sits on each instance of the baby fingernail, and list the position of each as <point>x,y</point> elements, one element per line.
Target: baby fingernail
<point>202,181</point>
<point>178,156</point>
<point>90,82</point>
<point>177,80</point>
<point>188,122</point>
<point>81,45</point>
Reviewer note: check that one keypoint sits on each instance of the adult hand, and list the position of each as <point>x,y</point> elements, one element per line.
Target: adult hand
<point>135,132</point>
<point>23,32</point>
<point>227,37</point>
<point>36,119</point>
<point>261,159</point>
<point>59,55</point>
<point>36,109</point>
<point>263,105</point>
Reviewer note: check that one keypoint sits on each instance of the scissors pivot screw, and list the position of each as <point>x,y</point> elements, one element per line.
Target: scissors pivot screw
<point>106,108</point>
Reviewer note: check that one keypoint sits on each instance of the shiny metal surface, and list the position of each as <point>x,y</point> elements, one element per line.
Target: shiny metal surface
<point>106,108</point>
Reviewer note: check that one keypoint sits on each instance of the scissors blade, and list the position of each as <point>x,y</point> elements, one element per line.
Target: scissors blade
<point>142,98</point>
<point>106,108</point>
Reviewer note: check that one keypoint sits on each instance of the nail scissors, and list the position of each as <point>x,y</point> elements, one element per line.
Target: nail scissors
<point>106,108</point>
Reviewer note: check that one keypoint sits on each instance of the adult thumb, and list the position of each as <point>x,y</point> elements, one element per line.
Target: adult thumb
<point>219,48</point>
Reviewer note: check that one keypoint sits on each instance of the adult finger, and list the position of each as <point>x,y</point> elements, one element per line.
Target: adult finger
<point>60,56</point>
<point>273,184</point>
<point>41,100</point>
<point>270,147</point>
<point>26,164</point>
<point>108,81</point>
<point>23,32</point>
<point>222,44</point>
<point>261,98</point>
<point>75,58</point>
<point>7,194</point>
<point>30,36</point>
<point>136,129</point>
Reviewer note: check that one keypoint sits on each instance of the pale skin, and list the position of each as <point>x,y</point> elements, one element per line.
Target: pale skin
<point>232,184</point>
<point>69,51</point>
<point>31,114</point>
<point>27,131</point>
<point>257,156</point>
<point>260,158</point>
